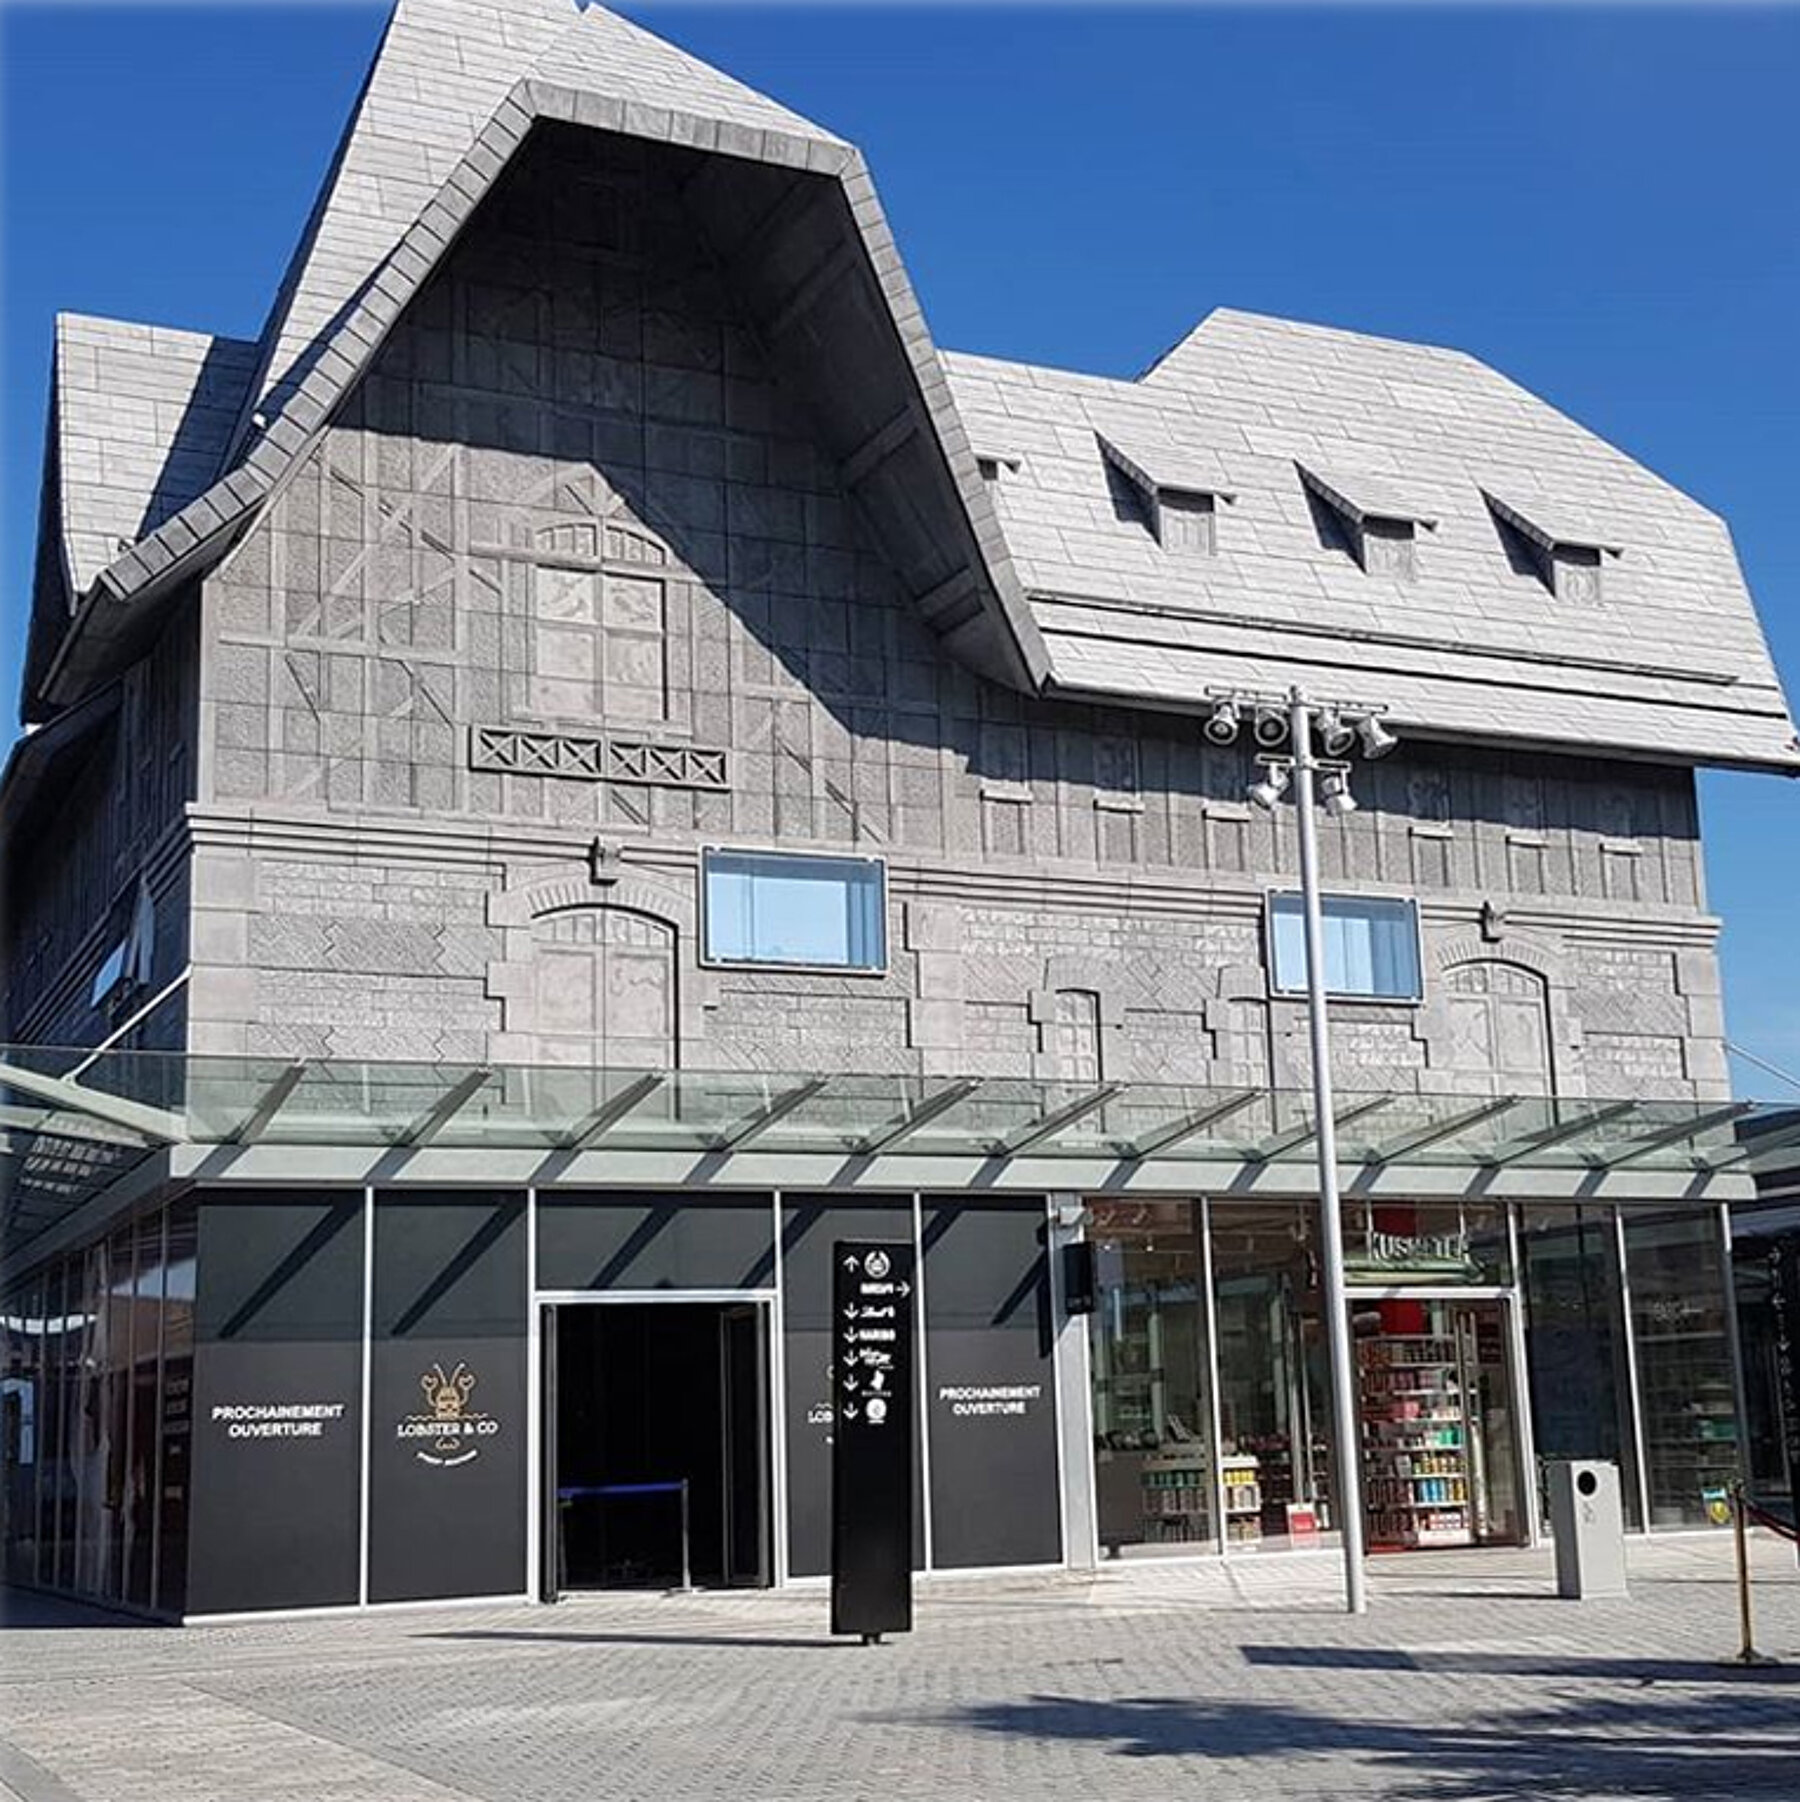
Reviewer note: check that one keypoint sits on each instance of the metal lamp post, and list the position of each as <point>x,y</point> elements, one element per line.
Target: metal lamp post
<point>1346,1438</point>
<point>1306,766</point>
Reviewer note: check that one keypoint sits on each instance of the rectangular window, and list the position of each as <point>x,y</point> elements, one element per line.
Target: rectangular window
<point>1371,947</point>
<point>765,908</point>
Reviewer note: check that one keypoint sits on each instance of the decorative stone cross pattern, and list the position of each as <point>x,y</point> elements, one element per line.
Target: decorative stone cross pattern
<point>597,759</point>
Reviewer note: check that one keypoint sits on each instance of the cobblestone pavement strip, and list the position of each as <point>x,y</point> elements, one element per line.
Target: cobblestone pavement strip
<point>1468,1682</point>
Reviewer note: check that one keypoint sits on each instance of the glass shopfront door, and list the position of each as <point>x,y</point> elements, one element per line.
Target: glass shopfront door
<point>1439,1398</point>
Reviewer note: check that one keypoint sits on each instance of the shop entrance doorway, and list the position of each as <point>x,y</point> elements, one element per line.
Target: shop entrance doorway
<point>1442,1432</point>
<point>656,1445</point>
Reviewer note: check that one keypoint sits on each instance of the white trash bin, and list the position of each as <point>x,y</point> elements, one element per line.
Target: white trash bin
<point>1588,1524</point>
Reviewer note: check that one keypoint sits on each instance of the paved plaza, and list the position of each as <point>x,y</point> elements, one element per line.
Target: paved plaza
<point>1467,1680</point>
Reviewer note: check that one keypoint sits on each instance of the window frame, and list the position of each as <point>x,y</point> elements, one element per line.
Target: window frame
<point>709,961</point>
<point>1407,902</point>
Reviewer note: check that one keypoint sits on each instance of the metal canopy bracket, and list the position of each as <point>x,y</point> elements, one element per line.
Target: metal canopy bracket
<point>1418,1140</point>
<point>598,1121</point>
<point>1555,1135</point>
<point>1671,1135</point>
<point>1189,1124</point>
<point>255,1123</point>
<point>930,1108</point>
<point>778,1109</point>
<point>451,1103</point>
<point>1048,1125</point>
<point>1747,1149</point>
<point>160,1124</point>
<point>1309,1130</point>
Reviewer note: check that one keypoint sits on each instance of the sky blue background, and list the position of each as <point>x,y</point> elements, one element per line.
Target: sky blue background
<point>1600,202</point>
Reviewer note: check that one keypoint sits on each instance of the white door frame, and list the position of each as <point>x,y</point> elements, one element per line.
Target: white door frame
<point>1512,1318</point>
<point>768,1300</point>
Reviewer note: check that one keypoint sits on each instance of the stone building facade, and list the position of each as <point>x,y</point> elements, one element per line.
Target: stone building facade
<point>594,507</point>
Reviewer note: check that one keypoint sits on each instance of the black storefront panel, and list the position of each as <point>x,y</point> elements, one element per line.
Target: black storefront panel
<point>277,1417</point>
<point>991,1394</point>
<point>808,1232</point>
<point>590,1239</point>
<point>447,1397</point>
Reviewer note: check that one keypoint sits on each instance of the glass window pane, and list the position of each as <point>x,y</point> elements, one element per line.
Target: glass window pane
<point>1575,1341</point>
<point>1153,1465</point>
<point>62,1338</point>
<point>21,1408</point>
<point>1274,1386</point>
<point>175,1419</point>
<point>1371,946</point>
<point>1676,1267</point>
<point>140,1458</point>
<point>821,911</point>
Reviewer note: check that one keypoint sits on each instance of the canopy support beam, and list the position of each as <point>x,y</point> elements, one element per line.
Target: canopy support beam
<point>939,1102</point>
<point>1555,1135</point>
<point>1048,1125</point>
<point>442,1111</point>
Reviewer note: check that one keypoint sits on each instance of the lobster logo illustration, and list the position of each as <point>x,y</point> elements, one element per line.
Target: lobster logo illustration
<point>448,1429</point>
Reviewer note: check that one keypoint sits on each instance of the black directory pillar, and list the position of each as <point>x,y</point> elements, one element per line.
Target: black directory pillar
<point>872,1438</point>
<point>1784,1285</point>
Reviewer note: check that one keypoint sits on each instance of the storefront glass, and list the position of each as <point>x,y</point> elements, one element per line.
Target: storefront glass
<point>21,1408</point>
<point>1274,1387</point>
<point>1576,1355</point>
<point>175,1414</point>
<point>1154,1472</point>
<point>1767,1427</point>
<point>91,1422</point>
<point>1676,1267</point>
<point>138,1522</point>
<point>56,1491</point>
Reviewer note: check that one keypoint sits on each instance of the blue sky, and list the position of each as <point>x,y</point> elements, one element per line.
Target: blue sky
<point>1599,201</point>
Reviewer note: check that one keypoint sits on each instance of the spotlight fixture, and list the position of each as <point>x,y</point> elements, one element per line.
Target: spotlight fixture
<point>1222,726</point>
<point>1271,727</point>
<point>1272,787</point>
<point>1334,794</point>
<point>1336,735</point>
<point>1377,740</point>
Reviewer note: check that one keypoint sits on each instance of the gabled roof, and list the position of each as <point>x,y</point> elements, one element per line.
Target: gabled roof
<point>1670,661</point>
<point>144,417</point>
<point>442,69</point>
<point>790,207</point>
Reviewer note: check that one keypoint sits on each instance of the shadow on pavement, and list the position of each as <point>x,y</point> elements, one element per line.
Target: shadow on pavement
<point>1523,1664</point>
<point>525,1636</point>
<point>30,1610</point>
<point>1649,1752</point>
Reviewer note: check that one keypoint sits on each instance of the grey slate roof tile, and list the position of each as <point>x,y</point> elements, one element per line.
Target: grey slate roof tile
<point>1236,409</point>
<point>1261,396</point>
<point>143,417</point>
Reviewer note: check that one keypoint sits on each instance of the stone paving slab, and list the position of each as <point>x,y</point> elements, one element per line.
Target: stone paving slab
<point>1467,1682</point>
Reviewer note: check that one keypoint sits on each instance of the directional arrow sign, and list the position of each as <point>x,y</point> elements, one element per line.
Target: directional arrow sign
<point>872,1445</point>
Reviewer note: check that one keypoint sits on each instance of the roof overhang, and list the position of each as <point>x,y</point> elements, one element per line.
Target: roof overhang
<point>260,1120</point>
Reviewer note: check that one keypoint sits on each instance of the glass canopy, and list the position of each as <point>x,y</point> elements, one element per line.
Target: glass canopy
<point>129,1101</point>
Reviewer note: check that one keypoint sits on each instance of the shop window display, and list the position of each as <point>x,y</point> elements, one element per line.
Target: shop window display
<point>1576,1352</point>
<point>1152,1412</point>
<point>1675,1265</point>
<point>1274,1385</point>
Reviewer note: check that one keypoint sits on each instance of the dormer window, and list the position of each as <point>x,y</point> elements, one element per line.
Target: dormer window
<point>1178,489</point>
<point>1565,550</point>
<point>1368,516</point>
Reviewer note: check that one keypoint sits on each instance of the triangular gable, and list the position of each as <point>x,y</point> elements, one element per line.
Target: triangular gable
<point>914,474</point>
